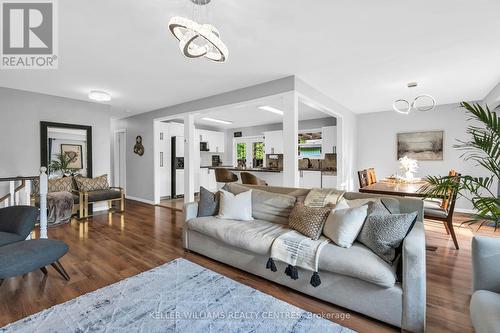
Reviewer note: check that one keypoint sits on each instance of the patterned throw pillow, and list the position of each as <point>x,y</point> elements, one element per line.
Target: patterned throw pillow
<point>59,185</point>
<point>309,221</point>
<point>92,184</point>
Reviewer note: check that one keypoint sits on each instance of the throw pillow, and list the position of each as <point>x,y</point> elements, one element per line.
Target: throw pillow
<point>383,233</point>
<point>309,221</point>
<point>268,206</point>
<point>391,204</point>
<point>343,225</point>
<point>59,184</point>
<point>92,184</point>
<point>235,206</point>
<point>322,197</point>
<point>209,203</point>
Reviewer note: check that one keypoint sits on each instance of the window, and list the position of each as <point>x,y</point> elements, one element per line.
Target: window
<point>258,154</point>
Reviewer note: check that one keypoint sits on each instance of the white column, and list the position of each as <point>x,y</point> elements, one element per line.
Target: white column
<point>290,140</point>
<point>43,202</point>
<point>189,157</point>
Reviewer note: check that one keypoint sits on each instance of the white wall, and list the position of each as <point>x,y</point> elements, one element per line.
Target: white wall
<point>20,116</point>
<point>377,142</point>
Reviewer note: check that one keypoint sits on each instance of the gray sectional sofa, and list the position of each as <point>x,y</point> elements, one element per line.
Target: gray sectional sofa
<point>354,278</point>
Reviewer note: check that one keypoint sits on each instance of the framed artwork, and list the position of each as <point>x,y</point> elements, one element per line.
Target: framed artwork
<point>74,152</point>
<point>421,146</point>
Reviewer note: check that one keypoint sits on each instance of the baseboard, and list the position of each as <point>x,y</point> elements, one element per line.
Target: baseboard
<point>146,201</point>
<point>464,210</point>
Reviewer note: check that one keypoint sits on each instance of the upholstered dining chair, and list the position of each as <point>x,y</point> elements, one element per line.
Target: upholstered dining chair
<point>363,178</point>
<point>16,223</point>
<point>442,210</point>
<point>250,179</point>
<point>225,176</point>
<point>372,178</point>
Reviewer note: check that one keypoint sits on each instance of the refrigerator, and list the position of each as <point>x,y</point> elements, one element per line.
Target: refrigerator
<point>177,167</point>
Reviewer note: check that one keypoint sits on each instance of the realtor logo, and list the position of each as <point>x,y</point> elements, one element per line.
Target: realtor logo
<point>29,34</point>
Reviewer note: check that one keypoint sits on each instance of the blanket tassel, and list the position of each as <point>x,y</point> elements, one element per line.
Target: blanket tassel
<point>271,265</point>
<point>292,272</point>
<point>315,280</point>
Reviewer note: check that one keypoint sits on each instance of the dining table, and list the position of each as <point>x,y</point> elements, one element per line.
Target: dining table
<point>396,187</point>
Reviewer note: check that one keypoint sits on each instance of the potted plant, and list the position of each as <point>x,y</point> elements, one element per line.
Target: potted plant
<point>61,163</point>
<point>483,147</point>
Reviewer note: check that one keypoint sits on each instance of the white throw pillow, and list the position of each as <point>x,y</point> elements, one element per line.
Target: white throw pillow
<point>235,207</point>
<point>343,225</point>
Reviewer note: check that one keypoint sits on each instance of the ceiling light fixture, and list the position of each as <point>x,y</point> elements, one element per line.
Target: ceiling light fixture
<point>198,40</point>
<point>421,103</point>
<point>99,96</point>
<point>225,122</point>
<point>271,109</point>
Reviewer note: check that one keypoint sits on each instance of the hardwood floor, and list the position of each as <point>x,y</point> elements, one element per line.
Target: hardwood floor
<point>111,247</point>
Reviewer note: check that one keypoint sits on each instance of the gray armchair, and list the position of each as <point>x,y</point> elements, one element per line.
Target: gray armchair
<point>485,300</point>
<point>16,223</point>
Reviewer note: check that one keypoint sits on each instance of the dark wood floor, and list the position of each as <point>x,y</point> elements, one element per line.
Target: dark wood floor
<point>111,247</point>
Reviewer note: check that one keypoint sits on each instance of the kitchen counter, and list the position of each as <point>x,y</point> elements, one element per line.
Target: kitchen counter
<point>231,168</point>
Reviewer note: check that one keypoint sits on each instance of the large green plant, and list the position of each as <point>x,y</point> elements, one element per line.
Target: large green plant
<point>61,163</point>
<point>483,148</point>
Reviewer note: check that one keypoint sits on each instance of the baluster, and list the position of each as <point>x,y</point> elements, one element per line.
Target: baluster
<point>27,193</point>
<point>43,202</point>
<point>12,191</point>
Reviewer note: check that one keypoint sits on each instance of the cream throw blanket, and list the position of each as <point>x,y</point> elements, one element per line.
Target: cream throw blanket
<point>297,250</point>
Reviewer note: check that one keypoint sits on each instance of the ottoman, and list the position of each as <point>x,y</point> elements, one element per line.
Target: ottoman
<point>26,256</point>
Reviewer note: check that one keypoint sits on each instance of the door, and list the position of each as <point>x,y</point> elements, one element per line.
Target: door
<point>249,152</point>
<point>120,175</point>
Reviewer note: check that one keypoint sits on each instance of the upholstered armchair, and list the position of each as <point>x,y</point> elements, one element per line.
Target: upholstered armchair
<point>16,223</point>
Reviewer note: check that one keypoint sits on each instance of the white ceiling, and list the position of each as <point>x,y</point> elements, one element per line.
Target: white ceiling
<point>361,53</point>
<point>250,115</point>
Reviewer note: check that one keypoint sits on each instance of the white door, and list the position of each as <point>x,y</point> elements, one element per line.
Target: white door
<point>120,176</point>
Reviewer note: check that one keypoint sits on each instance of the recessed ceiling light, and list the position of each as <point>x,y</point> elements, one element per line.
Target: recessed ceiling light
<point>271,109</point>
<point>225,122</point>
<point>412,84</point>
<point>99,96</point>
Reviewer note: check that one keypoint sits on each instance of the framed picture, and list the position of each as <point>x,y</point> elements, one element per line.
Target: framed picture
<point>74,152</point>
<point>422,146</point>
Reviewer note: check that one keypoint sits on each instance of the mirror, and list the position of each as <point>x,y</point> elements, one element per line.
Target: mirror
<point>66,149</point>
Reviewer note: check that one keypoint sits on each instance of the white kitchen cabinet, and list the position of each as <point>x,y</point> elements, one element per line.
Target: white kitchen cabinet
<point>309,179</point>
<point>273,142</point>
<point>329,181</point>
<point>329,139</point>
<point>216,140</point>
<point>179,182</point>
<point>212,183</point>
<point>207,179</point>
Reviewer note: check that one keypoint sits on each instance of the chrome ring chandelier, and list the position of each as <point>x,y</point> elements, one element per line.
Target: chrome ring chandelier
<point>403,106</point>
<point>198,40</point>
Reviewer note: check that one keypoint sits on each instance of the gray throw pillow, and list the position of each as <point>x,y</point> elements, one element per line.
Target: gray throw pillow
<point>383,232</point>
<point>209,203</point>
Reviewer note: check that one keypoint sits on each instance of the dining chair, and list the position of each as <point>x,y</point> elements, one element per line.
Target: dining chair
<point>372,178</point>
<point>250,179</point>
<point>363,178</point>
<point>443,210</point>
<point>225,176</point>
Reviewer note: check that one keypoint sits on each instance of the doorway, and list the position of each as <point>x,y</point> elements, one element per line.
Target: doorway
<point>119,165</point>
<point>249,152</point>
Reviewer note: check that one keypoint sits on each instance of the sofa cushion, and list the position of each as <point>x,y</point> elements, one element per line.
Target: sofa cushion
<point>299,194</point>
<point>485,311</point>
<point>359,262</point>
<point>267,206</point>
<point>255,236</point>
<point>102,195</point>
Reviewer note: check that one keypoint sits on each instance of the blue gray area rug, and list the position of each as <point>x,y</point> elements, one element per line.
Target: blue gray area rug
<point>179,296</point>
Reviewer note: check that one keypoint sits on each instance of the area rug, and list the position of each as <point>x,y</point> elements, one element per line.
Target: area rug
<point>179,296</point>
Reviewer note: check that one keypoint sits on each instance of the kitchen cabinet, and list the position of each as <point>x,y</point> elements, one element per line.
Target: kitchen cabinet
<point>216,140</point>
<point>329,181</point>
<point>207,179</point>
<point>309,179</point>
<point>179,182</point>
<point>273,141</point>
<point>329,139</point>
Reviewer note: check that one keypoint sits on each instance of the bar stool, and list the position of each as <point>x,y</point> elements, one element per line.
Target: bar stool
<point>225,176</point>
<point>250,179</point>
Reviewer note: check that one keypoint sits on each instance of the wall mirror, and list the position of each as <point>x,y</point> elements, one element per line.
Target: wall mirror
<point>66,149</point>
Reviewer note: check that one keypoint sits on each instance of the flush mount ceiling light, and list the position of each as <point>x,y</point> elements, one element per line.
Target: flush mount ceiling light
<point>225,122</point>
<point>421,103</point>
<point>99,96</point>
<point>271,109</point>
<point>198,40</point>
